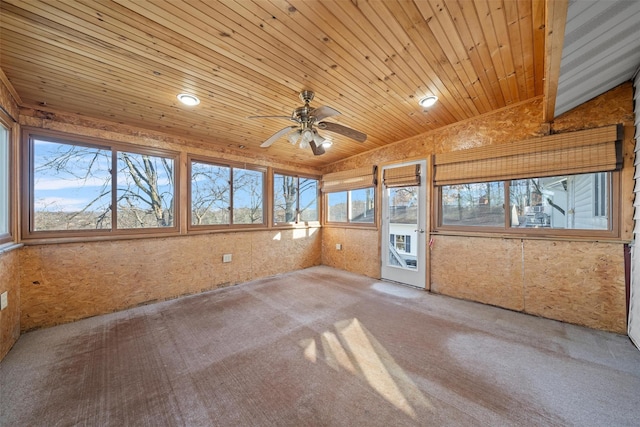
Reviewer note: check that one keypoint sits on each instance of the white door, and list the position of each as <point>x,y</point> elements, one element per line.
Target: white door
<point>403,228</point>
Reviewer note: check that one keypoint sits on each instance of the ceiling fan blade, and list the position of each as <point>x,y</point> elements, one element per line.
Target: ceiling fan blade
<point>270,117</point>
<point>273,138</point>
<point>317,149</point>
<point>343,130</point>
<point>323,112</point>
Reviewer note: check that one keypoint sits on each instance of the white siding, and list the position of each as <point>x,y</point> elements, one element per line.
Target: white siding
<point>634,309</point>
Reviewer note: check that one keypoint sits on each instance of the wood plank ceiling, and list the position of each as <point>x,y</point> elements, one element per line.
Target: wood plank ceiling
<point>125,61</point>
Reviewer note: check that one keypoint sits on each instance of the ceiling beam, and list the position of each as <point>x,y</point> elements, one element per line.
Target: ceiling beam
<point>555,21</point>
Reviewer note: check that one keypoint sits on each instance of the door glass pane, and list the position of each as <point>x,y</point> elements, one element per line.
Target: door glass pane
<point>403,226</point>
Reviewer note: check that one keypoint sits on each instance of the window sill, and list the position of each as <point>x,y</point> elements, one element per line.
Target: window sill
<point>8,247</point>
<point>350,225</point>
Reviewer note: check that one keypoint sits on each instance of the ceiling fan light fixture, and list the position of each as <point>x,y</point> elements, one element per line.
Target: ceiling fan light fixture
<point>294,137</point>
<point>326,143</point>
<point>307,137</point>
<point>188,99</point>
<point>428,101</point>
<point>318,139</point>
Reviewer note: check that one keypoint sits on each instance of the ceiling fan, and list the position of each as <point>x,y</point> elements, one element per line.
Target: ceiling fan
<point>308,119</point>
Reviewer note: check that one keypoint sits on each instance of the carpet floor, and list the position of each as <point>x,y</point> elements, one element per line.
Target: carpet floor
<point>319,347</point>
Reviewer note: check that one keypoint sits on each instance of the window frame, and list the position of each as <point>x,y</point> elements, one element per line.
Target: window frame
<point>231,165</point>
<point>9,235</point>
<point>614,212</point>
<point>298,222</point>
<point>27,203</point>
<point>349,222</point>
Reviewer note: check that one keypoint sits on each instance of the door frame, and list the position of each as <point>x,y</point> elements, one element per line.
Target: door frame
<point>419,279</point>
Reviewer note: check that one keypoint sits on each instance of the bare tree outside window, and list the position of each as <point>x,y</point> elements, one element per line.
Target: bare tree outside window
<point>210,194</point>
<point>226,195</point>
<point>73,187</point>
<point>145,191</point>
<point>293,195</point>
<point>248,190</point>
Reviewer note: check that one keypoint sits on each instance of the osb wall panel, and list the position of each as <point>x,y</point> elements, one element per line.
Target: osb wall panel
<point>514,123</point>
<point>10,316</point>
<point>614,106</point>
<point>68,282</point>
<point>478,269</point>
<point>576,282</point>
<point>360,252</point>
<point>490,270</point>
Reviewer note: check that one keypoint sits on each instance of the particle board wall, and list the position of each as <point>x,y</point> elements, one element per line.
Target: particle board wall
<point>10,316</point>
<point>67,282</point>
<point>574,282</point>
<point>360,251</point>
<point>514,123</point>
<point>583,284</point>
<point>478,269</point>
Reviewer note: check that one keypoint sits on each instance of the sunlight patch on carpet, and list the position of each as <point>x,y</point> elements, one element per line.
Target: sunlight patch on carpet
<point>354,349</point>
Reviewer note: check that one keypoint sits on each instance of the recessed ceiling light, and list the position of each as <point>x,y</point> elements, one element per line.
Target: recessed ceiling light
<point>188,99</point>
<point>428,101</point>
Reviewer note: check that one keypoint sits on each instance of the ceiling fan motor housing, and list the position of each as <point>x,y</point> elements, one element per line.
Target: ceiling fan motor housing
<point>306,96</point>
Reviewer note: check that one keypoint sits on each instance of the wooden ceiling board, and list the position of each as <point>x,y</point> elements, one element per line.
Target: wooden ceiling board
<point>127,60</point>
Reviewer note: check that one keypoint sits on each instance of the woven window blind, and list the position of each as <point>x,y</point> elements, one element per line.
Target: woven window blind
<point>402,176</point>
<point>594,150</point>
<point>350,179</point>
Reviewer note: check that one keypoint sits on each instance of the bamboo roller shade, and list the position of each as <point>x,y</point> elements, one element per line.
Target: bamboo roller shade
<point>402,176</point>
<point>350,179</point>
<point>594,150</point>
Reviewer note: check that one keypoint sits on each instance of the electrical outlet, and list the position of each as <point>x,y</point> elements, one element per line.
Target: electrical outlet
<point>4,300</point>
<point>226,258</point>
<point>339,246</point>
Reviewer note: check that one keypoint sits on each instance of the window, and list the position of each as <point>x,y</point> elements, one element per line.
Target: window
<point>145,191</point>
<point>566,202</point>
<point>600,194</point>
<point>560,184</point>
<point>402,243</point>
<point>226,195</point>
<point>475,204</point>
<point>352,206</point>
<point>337,207</point>
<point>5,198</point>
<point>74,187</point>
<point>573,202</point>
<point>295,199</point>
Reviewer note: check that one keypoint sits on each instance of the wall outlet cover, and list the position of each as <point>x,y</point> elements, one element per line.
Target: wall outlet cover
<point>226,258</point>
